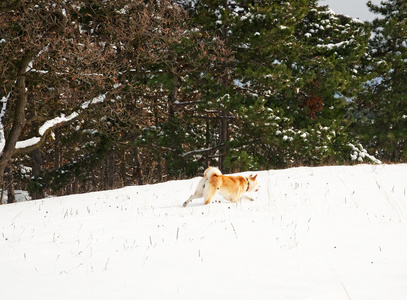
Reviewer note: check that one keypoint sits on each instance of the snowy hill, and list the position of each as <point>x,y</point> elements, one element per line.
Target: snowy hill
<point>312,233</point>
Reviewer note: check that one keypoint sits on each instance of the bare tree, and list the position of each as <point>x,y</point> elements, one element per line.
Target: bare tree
<point>49,66</point>
<point>56,57</point>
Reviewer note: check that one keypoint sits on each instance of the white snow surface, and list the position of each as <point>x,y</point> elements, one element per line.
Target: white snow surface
<point>311,233</point>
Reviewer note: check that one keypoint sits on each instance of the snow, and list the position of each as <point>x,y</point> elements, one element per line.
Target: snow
<point>331,46</point>
<point>28,142</point>
<point>20,196</point>
<point>55,121</point>
<point>359,153</point>
<point>311,233</point>
<point>2,113</point>
<point>99,99</point>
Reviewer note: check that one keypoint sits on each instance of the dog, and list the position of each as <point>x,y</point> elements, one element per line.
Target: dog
<point>231,188</point>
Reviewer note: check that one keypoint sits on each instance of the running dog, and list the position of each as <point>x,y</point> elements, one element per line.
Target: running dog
<point>230,187</point>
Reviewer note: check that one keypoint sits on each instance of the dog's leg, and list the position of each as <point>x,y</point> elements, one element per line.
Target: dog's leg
<point>237,198</point>
<point>247,197</point>
<point>209,192</point>
<point>234,199</point>
<point>194,196</point>
<point>198,193</point>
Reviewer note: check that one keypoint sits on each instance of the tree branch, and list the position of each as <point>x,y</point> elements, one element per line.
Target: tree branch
<point>11,6</point>
<point>199,151</point>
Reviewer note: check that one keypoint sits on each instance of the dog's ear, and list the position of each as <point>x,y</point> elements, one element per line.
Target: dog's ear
<point>253,178</point>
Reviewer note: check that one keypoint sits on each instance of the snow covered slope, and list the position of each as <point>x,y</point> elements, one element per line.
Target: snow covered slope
<point>312,233</point>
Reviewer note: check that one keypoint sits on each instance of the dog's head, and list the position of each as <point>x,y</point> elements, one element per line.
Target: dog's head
<point>253,184</point>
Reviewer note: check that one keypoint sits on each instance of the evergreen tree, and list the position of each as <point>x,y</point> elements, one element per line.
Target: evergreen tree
<point>327,74</point>
<point>381,111</point>
<point>295,65</point>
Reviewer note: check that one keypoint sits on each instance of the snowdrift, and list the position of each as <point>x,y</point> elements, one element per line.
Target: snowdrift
<point>312,233</point>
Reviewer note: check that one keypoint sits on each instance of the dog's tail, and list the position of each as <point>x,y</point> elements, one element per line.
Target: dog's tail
<point>211,171</point>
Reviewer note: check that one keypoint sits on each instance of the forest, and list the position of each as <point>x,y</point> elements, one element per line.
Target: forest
<point>103,94</point>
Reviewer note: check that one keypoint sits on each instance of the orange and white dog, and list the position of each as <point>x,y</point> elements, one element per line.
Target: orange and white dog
<point>230,187</point>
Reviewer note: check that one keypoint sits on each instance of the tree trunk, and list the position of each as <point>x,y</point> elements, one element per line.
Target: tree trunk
<point>110,170</point>
<point>19,116</point>
<point>123,173</point>
<point>137,173</point>
<point>173,97</point>
<point>159,168</point>
<point>57,148</point>
<point>208,142</point>
<point>11,197</point>
<point>75,187</point>
<point>223,138</point>
<point>36,156</point>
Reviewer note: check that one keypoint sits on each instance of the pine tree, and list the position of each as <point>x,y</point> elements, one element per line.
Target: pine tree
<point>381,111</point>
<point>327,74</point>
<point>295,66</point>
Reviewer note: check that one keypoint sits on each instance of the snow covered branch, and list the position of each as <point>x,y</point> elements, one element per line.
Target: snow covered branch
<point>201,151</point>
<point>34,142</point>
<point>359,154</point>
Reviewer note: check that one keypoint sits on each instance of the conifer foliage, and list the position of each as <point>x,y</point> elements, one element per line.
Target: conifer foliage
<point>294,62</point>
<point>381,110</point>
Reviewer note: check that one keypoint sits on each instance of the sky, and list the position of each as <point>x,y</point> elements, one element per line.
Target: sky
<point>352,8</point>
